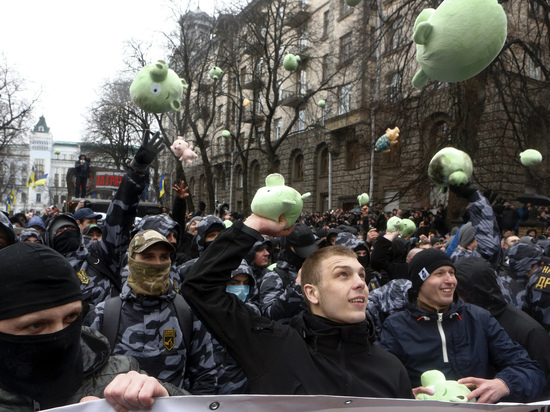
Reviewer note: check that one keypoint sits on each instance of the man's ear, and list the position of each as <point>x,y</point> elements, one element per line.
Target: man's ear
<point>311,293</point>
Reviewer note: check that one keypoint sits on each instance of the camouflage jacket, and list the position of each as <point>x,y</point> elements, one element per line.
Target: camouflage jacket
<point>280,296</point>
<point>390,298</point>
<point>110,250</point>
<point>486,232</point>
<point>537,297</point>
<point>150,332</point>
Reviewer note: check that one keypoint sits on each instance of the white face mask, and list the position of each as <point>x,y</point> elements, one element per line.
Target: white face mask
<point>240,290</point>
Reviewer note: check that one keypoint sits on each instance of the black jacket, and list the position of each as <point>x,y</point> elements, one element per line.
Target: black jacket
<point>311,356</point>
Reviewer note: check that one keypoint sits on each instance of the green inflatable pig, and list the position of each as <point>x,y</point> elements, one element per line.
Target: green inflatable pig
<point>276,199</point>
<point>407,228</point>
<point>291,62</point>
<point>157,89</point>
<point>458,40</point>
<point>448,391</point>
<point>530,157</point>
<point>394,224</point>
<point>215,73</point>
<point>450,167</point>
<point>363,199</point>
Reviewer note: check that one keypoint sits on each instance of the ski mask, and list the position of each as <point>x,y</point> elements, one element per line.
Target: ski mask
<point>46,367</point>
<point>148,278</point>
<point>67,241</point>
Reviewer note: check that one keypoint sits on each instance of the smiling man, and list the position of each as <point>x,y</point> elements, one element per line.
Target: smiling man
<point>437,330</point>
<point>327,349</point>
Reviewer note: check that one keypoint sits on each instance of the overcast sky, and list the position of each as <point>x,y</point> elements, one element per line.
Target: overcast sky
<point>66,49</point>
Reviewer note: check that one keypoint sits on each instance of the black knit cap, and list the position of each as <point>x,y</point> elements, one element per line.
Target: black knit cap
<point>423,264</point>
<point>34,277</point>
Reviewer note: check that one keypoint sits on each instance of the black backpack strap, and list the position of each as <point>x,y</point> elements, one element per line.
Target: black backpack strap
<point>111,319</point>
<point>94,261</point>
<point>185,319</point>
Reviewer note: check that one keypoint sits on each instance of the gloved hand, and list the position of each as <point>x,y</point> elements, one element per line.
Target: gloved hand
<point>147,151</point>
<point>202,206</point>
<point>466,191</point>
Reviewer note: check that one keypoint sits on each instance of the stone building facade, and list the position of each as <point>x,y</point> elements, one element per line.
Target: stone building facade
<point>330,151</point>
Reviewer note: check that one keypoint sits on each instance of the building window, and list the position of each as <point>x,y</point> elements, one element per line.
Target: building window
<point>395,34</point>
<point>324,67</point>
<point>352,155</point>
<point>326,22</point>
<point>278,128</point>
<point>239,177</point>
<point>39,166</point>
<point>344,99</point>
<point>323,162</point>
<point>301,123</point>
<point>345,9</point>
<point>277,166</point>
<point>298,167</point>
<point>345,48</point>
<point>394,88</point>
<point>302,83</point>
<point>39,198</point>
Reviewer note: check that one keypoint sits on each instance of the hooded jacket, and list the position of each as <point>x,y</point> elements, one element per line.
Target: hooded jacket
<point>464,341</point>
<point>99,370</point>
<point>312,356</point>
<point>199,242</point>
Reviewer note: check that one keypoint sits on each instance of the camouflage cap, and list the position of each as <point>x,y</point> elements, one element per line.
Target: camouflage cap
<point>145,239</point>
<point>523,256</point>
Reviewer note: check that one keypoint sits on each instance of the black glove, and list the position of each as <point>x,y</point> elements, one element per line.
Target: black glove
<point>466,191</point>
<point>147,151</point>
<point>202,206</point>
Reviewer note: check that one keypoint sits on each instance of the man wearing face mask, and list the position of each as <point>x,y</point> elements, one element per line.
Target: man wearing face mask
<point>280,295</point>
<point>207,230</point>
<point>231,378</point>
<point>171,230</point>
<point>98,265</point>
<point>48,358</point>
<point>149,328</point>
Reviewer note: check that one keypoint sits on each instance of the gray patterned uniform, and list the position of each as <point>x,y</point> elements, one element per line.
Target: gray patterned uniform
<point>487,234</point>
<point>280,295</point>
<point>521,259</point>
<point>388,299</point>
<point>231,378</point>
<point>537,299</point>
<point>111,248</point>
<point>150,332</point>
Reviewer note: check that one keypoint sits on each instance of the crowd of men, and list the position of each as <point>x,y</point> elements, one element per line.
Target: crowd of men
<point>186,303</point>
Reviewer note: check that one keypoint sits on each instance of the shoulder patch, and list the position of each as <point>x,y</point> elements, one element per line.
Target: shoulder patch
<point>543,284</point>
<point>169,338</point>
<point>175,285</point>
<point>83,276</point>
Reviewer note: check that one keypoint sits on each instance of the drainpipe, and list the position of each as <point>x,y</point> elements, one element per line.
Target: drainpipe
<point>329,180</point>
<point>376,96</point>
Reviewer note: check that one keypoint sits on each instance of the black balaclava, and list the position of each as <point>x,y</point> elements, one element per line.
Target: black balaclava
<point>67,241</point>
<point>46,367</point>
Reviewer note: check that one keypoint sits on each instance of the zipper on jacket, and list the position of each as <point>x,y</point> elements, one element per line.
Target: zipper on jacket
<point>443,339</point>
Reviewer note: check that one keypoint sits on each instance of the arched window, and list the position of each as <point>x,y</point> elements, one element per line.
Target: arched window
<point>255,176</point>
<point>239,181</point>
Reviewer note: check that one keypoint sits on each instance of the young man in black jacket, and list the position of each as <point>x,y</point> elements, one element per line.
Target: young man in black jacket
<point>325,350</point>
